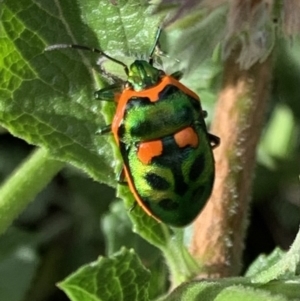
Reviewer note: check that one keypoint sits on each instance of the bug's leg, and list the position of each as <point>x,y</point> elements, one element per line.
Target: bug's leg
<point>155,46</point>
<point>108,93</point>
<point>121,179</point>
<point>204,113</point>
<point>105,130</point>
<point>156,50</point>
<point>132,207</point>
<point>214,140</point>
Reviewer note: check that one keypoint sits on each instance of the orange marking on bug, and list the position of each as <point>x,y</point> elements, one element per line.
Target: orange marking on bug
<point>152,93</point>
<point>148,150</point>
<point>186,137</point>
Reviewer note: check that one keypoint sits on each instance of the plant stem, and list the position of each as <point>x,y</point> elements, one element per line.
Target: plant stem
<point>220,229</point>
<point>24,184</point>
<point>182,265</point>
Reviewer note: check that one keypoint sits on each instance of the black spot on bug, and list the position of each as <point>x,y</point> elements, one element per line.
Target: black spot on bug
<point>138,130</point>
<point>172,158</point>
<point>121,131</point>
<point>197,167</point>
<point>180,186</point>
<point>168,90</point>
<point>173,90</point>
<point>168,204</point>
<point>201,193</point>
<point>136,102</point>
<point>157,182</point>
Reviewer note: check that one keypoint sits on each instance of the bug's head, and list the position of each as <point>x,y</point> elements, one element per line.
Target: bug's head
<point>143,75</point>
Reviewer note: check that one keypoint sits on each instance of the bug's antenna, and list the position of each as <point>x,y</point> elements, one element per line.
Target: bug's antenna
<point>158,33</point>
<point>80,47</point>
<point>155,45</point>
<point>156,48</point>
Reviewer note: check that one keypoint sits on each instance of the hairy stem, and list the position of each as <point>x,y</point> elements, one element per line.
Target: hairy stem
<point>24,184</point>
<point>219,231</point>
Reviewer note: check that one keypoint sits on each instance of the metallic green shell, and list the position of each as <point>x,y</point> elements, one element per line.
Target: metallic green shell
<point>175,185</point>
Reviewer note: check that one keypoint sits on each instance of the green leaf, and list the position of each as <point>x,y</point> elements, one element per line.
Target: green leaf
<point>235,289</point>
<point>289,288</point>
<point>47,98</point>
<point>156,233</point>
<point>288,266</point>
<point>264,261</point>
<point>126,28</point>
<point>280,136</point>
<point>116,228</point>
<point>170,241</point>
<point>197,35</point>
<point>121,277</point>
<point>238,293</point>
